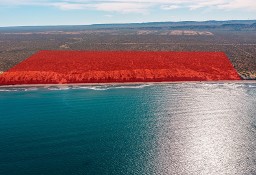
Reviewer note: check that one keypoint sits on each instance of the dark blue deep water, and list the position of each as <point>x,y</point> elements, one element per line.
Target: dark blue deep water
<point>133,129</point>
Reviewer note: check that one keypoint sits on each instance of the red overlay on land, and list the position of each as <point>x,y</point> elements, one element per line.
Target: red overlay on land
<point>63,67</point>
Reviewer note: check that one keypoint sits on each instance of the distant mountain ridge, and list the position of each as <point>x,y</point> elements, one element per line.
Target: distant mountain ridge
<point>222,25</point>
<point>253,25</point>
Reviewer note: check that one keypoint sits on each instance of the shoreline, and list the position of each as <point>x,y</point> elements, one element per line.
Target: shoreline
<point>131,83</point>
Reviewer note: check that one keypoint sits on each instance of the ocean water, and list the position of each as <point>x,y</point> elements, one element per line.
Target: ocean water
<point>132,129</point>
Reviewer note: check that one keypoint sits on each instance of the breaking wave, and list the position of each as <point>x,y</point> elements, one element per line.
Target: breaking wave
<point>73,87</point>
<point>100,87</point>
<point>6,89</point>
<point>127,86</point>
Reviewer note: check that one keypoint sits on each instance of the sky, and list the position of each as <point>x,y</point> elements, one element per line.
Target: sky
<point>83,12</point>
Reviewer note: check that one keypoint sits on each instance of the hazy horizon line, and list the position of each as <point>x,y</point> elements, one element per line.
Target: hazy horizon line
<point>127,23</point>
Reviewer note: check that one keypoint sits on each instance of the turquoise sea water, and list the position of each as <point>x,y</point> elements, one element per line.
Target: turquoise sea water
<point>131,129</point>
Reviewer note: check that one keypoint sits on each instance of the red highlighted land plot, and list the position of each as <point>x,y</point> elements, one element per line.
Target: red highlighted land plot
<point>64,67</point>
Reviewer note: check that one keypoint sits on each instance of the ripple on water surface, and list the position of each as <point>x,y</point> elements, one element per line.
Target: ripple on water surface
<point>206,128</point>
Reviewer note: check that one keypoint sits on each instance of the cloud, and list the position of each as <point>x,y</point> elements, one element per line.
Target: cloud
<point>169,7</point>
<point>108,16</point>
<point>122,7</point>
<point>136,6</point>
<point>69,6</point>
<point>239,4</point>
